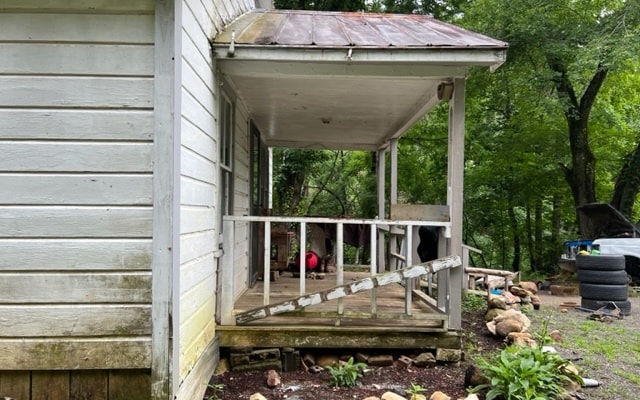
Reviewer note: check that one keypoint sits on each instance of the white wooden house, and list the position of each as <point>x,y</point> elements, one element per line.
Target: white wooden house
<point>134,137</point>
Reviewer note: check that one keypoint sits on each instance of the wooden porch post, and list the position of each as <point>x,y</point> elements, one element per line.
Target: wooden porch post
<point>381,211</point>
<point>393,199</point>
<point>225,296</point>
<point>455,197</point>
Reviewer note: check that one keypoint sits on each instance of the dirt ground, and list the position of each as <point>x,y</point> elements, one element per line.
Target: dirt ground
<point>449,378</point>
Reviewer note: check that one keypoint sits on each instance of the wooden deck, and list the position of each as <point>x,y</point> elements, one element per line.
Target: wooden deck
<point>356,326</point>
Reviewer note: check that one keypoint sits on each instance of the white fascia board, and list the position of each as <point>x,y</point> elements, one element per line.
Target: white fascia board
<point>489,57</point>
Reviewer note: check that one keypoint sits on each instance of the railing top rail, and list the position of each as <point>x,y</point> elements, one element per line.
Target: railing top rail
<point>326,220</point>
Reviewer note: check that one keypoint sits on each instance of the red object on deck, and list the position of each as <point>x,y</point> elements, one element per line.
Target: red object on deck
<point>311,258</point>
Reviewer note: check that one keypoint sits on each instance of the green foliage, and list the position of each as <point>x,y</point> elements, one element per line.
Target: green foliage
<point>347,374</point>
<point>473,302</point>
<point>415,389</point>
<point>216,391</point>
<point>527,373</point>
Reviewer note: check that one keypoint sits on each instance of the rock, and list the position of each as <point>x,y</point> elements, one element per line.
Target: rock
<point>371,398</point>
<point>515,314</point>
<point>439,396</point>
<point>473,377</point>
<point>530,286</point>
<point>510,298</point>
<point>521,339</point>
<point>405,361</point>
<point>381,360</point>
<point>425,360</point>
<point>309,359</point>
<point>448,355</point>
<point>520,292</point>
<point>492,313</point>
<point>257,396</point>
<point>418,396</point>
<point>391,396</point>
<point>507,326</point>
<point>273,378</point>
<point>472,396</point>
<point>497,302</point>
<point>361,357</point>
<point>327,360</point>
<point>556,336</point>
<point>222,367</point>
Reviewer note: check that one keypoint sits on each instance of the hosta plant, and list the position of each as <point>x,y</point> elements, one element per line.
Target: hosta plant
<point>346,374</point>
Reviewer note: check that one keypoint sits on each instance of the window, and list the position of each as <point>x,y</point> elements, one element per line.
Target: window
<point>226,157</point>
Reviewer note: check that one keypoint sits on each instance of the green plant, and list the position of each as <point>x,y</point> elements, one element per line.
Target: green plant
<point>347,374</point>
<point>527,373</point>
<point>473,302</point>
<point>415,389</point>
<point>216,390</point>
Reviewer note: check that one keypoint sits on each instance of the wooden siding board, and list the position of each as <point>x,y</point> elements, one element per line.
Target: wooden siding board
<point>198,114</point>
<point>75,222</point>
<point>195,300</point>
<point>76,28</point>
<point>193,83</point>
<point>15,384</point>
<point>200,142</point>
<point>196,271</point>
<point>81,353</point>
<point>70,6</point>
<point>49,385</point>
<point>196,193</point>
<point>84,254</point>
<point>197,167</point>
<point>69,189</point>
<point>85,287</point>
<point>75,157</point>
<point>53,124</point>
<point>89,385</point>
<point>129,385</point>
<point>197,219</point>
<point>195,384</point>
<point>75,320</point>
<point>196,245</point>
<point>197,344</point>
<point>76,59</point>
<point>197,57</point>
<point>73,91</point>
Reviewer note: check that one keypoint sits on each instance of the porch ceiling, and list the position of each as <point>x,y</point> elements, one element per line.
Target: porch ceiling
<point>326,80</point>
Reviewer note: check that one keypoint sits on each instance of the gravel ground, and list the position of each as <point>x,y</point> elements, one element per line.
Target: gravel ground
<point>608,352</point>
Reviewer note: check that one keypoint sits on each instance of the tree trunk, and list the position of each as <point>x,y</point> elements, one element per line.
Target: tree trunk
<point>581,174</point>
<point>517,248</point>
<point>627,184</point>
<point>538,234</point>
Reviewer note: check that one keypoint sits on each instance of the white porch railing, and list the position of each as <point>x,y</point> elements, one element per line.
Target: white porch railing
<point>227,276</point>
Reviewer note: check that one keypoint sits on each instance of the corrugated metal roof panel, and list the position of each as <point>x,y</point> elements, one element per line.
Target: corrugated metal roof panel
<point>340,29</point>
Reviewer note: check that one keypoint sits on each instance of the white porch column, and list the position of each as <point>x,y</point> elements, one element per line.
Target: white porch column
<point>455,198</point>
<point>380,166</point>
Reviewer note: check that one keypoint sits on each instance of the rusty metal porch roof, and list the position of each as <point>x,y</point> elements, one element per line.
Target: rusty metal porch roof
<point>350,29</point>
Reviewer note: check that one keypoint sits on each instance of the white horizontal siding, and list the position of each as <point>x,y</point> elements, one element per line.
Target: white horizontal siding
<point>76,132</point>
<point>76,124</point>
<point>74,254</point>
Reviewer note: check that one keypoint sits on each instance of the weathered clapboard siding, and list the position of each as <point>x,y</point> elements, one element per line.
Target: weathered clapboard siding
<point>73,254</point>
<point>76,59</point>
<point>78,222</point>
<point>198,199</point>
<point>93,7</point>
<point>76,132</point>
<point>76,28</point>
<point>39,156</point>
<point>52,124</point>
<point>73,189</point>
<point>56,353</point>
<point>69,320</point>
<point>74,287</point>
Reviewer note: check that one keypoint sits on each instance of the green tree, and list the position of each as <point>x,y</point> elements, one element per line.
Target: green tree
<point>571,48</point>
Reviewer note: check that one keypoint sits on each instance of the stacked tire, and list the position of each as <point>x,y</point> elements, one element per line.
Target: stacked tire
<point>603,280</point>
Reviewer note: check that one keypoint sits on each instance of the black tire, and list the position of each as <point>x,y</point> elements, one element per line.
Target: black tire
<point>604,292</point>
<point>606,262</point>
<point>602,277</point>
<point>591,304</point>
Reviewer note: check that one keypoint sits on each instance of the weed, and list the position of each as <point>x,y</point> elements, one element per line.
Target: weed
<point>414,390</point>
<point>473,302</point>
<point>526,373</point>
<point>347,374</point>
<point>217,389</point>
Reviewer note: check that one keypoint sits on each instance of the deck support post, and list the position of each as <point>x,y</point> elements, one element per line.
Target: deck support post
<point>380,169</point>
<point>225,295</point>
<point>453,302</point>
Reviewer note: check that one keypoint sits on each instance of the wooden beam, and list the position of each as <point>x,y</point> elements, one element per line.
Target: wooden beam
<point>341,291</point>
